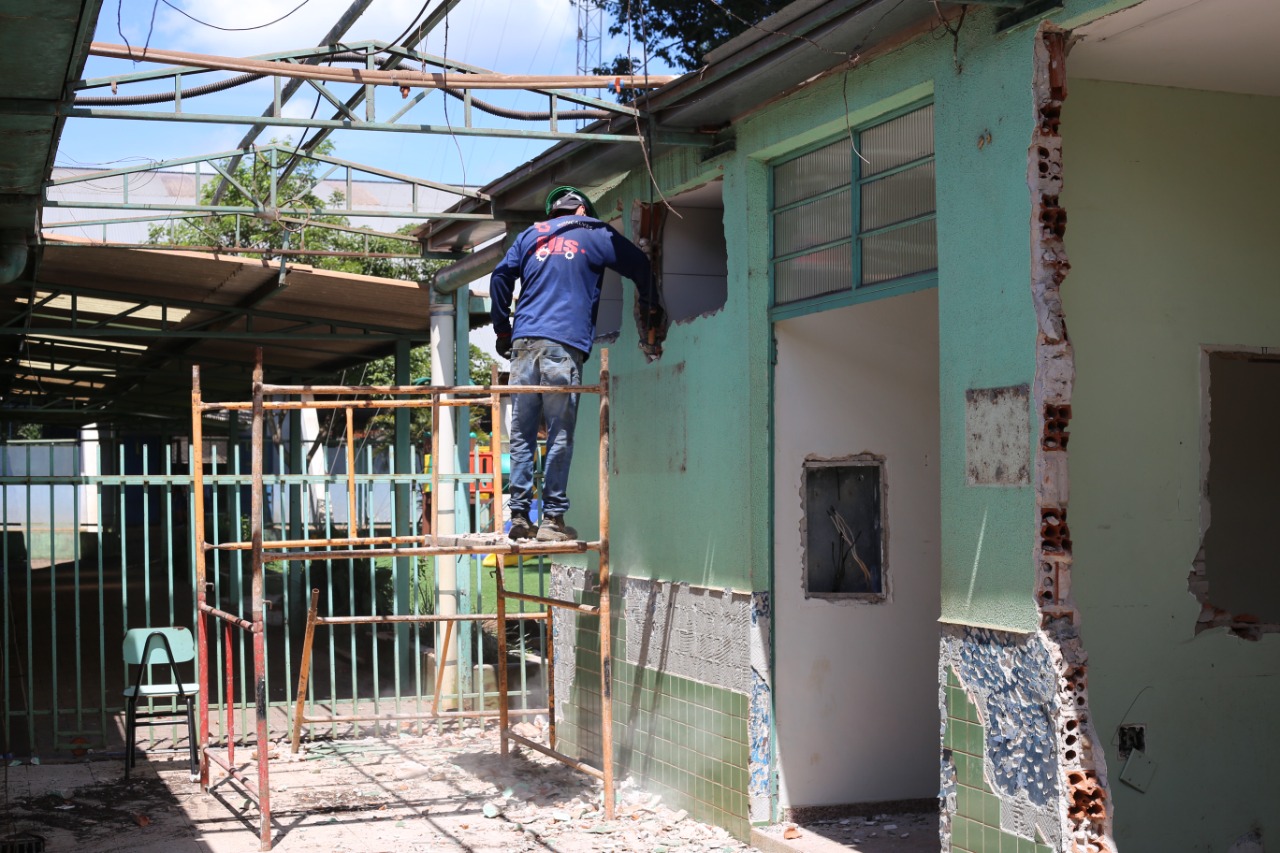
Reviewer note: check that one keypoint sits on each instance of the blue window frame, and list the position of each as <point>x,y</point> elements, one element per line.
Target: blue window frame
<point>852,222</point>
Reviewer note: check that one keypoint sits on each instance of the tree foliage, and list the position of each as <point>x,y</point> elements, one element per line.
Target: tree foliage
<point>681,32</point>
<point>297,191</point>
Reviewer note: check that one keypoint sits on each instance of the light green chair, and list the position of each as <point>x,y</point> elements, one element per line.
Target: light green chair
<point>145,648</point>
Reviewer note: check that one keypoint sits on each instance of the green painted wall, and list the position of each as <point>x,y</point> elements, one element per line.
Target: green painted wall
<point>1171,196</point>
<point>690,493</point>
<point>689,428</point>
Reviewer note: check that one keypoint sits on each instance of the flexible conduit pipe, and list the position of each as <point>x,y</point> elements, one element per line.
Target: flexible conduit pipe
<point>347,58</point>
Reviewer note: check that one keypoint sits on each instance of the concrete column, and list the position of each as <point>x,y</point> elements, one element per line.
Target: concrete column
<point>442,373</point>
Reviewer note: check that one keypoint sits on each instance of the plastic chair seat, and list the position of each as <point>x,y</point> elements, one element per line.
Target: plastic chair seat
<point>147,691</point>
<point>145,648</point>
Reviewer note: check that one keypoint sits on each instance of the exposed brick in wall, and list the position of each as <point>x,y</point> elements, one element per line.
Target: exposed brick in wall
<point>1085,810</point>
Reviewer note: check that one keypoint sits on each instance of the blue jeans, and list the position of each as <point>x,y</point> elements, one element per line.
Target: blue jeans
<point>538,361</point>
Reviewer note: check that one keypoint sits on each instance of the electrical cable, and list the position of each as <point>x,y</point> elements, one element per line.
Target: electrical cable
<point>187,14</point>
<point>417,19</point>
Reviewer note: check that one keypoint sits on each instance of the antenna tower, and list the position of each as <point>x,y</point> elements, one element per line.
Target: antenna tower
<point>590,36</point>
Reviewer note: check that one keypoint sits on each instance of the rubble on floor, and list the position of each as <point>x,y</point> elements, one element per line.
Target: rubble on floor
<point>446,793</point>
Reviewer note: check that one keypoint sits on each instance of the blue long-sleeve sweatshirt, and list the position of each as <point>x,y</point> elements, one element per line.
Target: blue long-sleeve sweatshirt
<point>561,263</point>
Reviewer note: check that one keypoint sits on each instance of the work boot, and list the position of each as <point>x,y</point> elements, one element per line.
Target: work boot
<point>521,526</point>
<point>553,529</point>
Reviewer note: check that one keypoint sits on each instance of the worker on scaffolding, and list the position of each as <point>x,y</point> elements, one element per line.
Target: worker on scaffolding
<point>560,263</point>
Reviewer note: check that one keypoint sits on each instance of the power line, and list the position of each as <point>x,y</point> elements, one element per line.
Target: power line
<point>184,12</point>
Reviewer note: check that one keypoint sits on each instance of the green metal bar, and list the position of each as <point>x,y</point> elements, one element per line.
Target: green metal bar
<point>329,573</point>
<point>231,180</point>
<point>371,519</point>
<point>167,490</point>
<point>149,166</point>
<point>146,536</point>
<point>274,178</point>
<point>663,138</point>
<point>53,600</point>
<point>236,603</point>
<point>353,529</point>
<point>350,165</point>
<point>117,220</point>
<point>320,87</point>
<point>227,210</point>
<point>99,503</point>
<point>31,663</point>
<point>412,102</point>
<point>8,604</point>
<point>75,565</point>
<point>125,220</point>
<point>401,524</point>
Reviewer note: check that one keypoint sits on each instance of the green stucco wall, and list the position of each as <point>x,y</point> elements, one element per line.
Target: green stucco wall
<point>688,428</point>
<point>1171,196</point>
<point>690,484</point>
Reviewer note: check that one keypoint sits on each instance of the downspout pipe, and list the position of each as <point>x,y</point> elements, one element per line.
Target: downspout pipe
<point>478,264</point>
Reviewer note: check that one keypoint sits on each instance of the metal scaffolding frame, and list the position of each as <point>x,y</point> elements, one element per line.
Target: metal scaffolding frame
<point>431,544</point>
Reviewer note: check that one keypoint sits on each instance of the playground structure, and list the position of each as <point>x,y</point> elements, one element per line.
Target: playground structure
<point>208,617</point>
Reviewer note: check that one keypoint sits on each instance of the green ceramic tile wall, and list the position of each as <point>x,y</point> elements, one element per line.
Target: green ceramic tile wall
<point>679,738</point>
<point>975,826</point>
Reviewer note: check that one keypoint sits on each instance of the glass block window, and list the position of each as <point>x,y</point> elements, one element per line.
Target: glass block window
<point>841,221</point>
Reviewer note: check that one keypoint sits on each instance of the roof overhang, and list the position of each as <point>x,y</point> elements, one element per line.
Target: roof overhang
<point>109,334</point>
<point>43,46</point>
<point>807,39</point>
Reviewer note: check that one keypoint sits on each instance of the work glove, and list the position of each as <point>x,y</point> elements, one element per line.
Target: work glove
<point>652,324</point>
<point>503,346</point>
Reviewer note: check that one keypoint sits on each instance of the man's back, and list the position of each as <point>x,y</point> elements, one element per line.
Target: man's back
<point>561,264</point>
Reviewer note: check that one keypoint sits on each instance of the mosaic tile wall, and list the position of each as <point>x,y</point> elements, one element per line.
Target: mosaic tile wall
<point>975,818</point>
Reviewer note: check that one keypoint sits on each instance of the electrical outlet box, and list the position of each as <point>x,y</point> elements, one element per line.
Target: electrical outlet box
<point>1131,737</point>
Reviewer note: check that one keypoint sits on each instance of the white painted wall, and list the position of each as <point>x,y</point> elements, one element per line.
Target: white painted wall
<point>856,684</point>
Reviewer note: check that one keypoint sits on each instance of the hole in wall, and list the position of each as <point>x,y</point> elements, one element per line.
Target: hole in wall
<point>1236,575</point>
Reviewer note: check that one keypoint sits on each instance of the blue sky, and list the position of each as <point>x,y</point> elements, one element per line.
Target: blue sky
<point>528,36</point>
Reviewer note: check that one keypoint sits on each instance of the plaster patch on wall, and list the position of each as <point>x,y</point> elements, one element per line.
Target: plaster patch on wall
<point>760,713</point>
<point>567,583</point>
<point>998,436</point>
<point>692,632</point>
<point>661,445</point>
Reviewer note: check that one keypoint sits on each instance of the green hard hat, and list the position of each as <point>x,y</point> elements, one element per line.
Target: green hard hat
<point>570,197</point>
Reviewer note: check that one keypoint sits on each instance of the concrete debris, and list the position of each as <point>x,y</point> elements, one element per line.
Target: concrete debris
<point>446,793</point>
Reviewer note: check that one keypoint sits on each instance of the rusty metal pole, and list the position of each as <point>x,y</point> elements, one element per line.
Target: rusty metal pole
<point>202,626</point>
<point>495,449</point>
<point>606,650</point>
<point>229,675</point>
<point>304,668</point>
<point>259,627</point>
